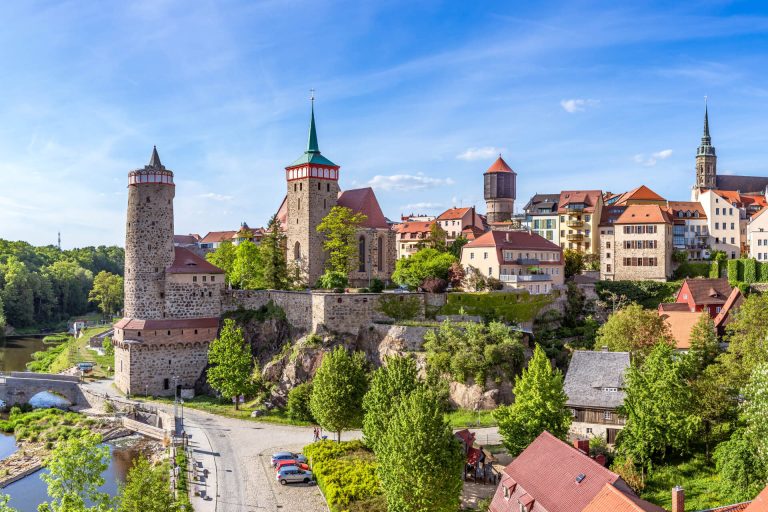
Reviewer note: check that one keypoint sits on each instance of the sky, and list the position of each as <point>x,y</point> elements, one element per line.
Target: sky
<point>413,98</point>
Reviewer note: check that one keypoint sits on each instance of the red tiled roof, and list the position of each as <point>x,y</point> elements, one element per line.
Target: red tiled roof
<point>187,262</point>
<point>681,324</point>
<point>499,166</point>
<point>641,193</point>
<point>556,476</point>
<point>760,503</point>
<point>666,307</point>
<point>734,301</point>
<point>644,214</point>
<point>687,206</point>
<point>414,227</point>
<point>474,455</point>
<point>741,200</point>
<point>706,291</point>
<point>513,240</point>
<point>610,499</point>
<point>136,324</point>
<point>453,213</point>
<point>466,436</point>
<point>472,232</point>
<point>217,236</point>
<point>759,213</point>
<point>589,198</point>
<point>363,200</point>
<point>186,239</point>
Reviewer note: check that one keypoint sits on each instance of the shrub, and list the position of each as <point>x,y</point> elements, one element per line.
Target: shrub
<point>346,473</point>
<point>333,280</point>
<point>508,307</point>
<point>399,306</point>
<point>714,270</point>
<point>494,284</point>
<point>648,294</point>
<point>693,270</point>
<point>735,271</point>
<point>435,285</point>
<point>377,285</point>
<point>298,403</point>
<point>107,346</point>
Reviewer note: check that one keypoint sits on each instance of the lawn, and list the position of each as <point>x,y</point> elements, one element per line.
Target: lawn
<point>222,407</point>
<point>696,475</point>
<point>466,418</point>
<point>58,358</point>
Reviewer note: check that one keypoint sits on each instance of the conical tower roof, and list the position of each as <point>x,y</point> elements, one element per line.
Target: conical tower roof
<point>154,160</point>
<point>706,148</point>
<point>499,166</point>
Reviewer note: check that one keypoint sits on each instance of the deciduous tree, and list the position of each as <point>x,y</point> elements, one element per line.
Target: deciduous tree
<point>107,292</point>
<point>247,269</point>
<point>339,228</point>
<point>436,238</point>
<point>420,460</point>
<point>539,405</point>
<point>338,389</point>
<point>633,329</point>
<point>574,262</point>
<point>231,362</point>
<point>390,384</point>
<point>147,489</point>
<point>422,265</point>
<point>224,258</point>
<point>704,347</point>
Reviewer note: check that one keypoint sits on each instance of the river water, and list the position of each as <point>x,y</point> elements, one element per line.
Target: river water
<point>15,353</point>
<point>26,494</point>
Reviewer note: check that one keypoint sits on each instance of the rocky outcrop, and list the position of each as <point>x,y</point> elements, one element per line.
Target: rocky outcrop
<point>473,397</point>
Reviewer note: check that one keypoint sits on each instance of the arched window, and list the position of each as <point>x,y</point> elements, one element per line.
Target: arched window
<point>361,254</point>
<point>380,253</point>
<point>297,251</point>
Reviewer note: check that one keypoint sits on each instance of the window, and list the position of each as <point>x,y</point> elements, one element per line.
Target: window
<point>297,250</point>
<point>490,271</point>
<point>327,187</point>
<point>589,430</point>
<point>608,267</point>
<point>717,211</point>
<point>607,415</point>
<point>607,245</point>
<point>485,255</point>
<point>205,278</point>
<point>194,279</point>
<point>361,254</point>
<point>166,383</point>
<point>607,255</point>
<point>717,225</point>
<point>732,225</point>
<point>472,255</point>
<point>213,278</point>
<point>380,253</point>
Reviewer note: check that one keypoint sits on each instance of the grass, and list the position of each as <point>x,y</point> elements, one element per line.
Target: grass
<point>182,483</point>
<point>696,475</point>
<point>49,425</point>
<point>65,355</point>
<point>223,407</point>
<point>466,418</point>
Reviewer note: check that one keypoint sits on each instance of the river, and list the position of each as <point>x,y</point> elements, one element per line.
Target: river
<point>15,353</point>
<point>30,491</point>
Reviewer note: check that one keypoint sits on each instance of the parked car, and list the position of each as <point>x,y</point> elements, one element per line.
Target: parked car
<point>293,474</point>
<point>286,456</point>
<point>290,462</point>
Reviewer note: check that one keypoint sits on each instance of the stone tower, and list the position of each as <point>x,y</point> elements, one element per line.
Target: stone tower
<point>313,188</point>
<point>148,239</point>
<point>499,184</point>
<point>706,159</point>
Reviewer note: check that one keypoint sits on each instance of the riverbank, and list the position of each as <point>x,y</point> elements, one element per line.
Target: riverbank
<point>36,433</point>
<point>58,358</point>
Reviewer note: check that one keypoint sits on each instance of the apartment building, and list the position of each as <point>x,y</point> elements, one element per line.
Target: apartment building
<point>542,218</point>
<point>410,236</point>
<point>637,245</point>
<point>723,222</point>
<point>690,230</point>
<point>454,220</point>
<point>757,235</point>
<point>579,218</point>
<point>521,260</point>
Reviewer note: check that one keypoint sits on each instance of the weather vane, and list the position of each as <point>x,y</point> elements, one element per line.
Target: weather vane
<point>312,94</point>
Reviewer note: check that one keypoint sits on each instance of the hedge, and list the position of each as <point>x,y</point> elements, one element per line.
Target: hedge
<point>648,294</point>
<point>735,271</point>
<point>714,270</point>
<point>345,472</point>
<point>747,270</point>
<point>507,307</point>
<point>690,269</point>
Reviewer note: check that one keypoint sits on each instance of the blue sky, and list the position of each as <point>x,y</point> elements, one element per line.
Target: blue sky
<point>414,98</point>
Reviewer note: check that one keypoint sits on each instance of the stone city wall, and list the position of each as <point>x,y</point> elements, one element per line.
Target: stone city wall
<point>297,305</point>
<point>187,299</point>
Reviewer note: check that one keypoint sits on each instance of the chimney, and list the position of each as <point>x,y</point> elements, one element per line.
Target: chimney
<point>601,459</point>
<point>582,445</point>
<point>678,499</point>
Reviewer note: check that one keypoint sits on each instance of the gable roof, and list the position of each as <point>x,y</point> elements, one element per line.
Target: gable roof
<point>190,239</point>
<point>641,193</point>
<point>733,302</point>
<point>591,371</point>
<point>611,499</point>
<point>706,291</point>
<point>363,200</point>
<point>499,166</point>
<point>685,207</point>
<point>545,476</point>
<point>414,227</point>
<point>187,262</point>
<point>454,213</point>
<point>759,213</point>
<point>542,202</point>
<point>644,214</point>
<point>743,184</point>
<point>589,198</point>
<point>681,324</point>
<point>217,236</point>
<point>513,240</point>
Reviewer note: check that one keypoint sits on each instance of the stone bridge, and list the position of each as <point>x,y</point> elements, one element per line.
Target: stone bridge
<point>19,387</point>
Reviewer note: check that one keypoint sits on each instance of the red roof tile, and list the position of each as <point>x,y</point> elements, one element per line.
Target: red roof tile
<point>218,236</point>
<point>760,503</point>
<point>453,213</point>
<point>499,166</point>
<point>414,227</point>
<point>187,262</point>
<point>687,206</point>
<point>137,324</point>
<point>705,291</point>
<point>363,200</point>
<point>641,193</point>
<point>644,214</point>
<point>513,240</point>
<point>589,198</point>
<point>610,499</point>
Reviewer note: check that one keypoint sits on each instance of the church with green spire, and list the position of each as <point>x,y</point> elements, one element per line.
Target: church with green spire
<point>312,190</point>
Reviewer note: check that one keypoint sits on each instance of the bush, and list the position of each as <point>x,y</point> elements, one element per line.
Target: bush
<point>750,270</point>
<point>377,285</point>
<point>686,270</point>
<point>298,403</point>
<point>648,294</point>
<point>107,346</point>
<point>56,338</point>
<point>434,285</point>
<point>399,306</point>
<point>333,280</point>
<point>494,284</point>
<point>714,270</point>
<point>507,307</point>
<point>735,271</point>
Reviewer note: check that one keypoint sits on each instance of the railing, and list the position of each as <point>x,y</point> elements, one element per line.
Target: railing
<point>574,237</point>
<point>514,278</point>
<point>574,223</point>
<point>523,261</point>
<point>574,208</point>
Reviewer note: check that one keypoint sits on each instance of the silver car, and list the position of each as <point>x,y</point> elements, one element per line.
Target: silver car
<point>292,474</point>
<point>277,457</point>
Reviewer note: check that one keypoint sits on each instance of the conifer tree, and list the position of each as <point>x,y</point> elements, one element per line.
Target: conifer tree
<point>273,257</point>
<point>231,362</point>
<point>539,405</point>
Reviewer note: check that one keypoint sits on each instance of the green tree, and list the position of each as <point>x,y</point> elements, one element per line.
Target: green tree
<point>339,228</point>
<point>18,293</point>
<point>755,410</point>
<point>747,346</point>
<point>458,243</point>
<point>422,265</point>
<point>574,262</point>
<point>70,284</point>
<point>231,363</point>
<point>2,316</point>
<point>658,407</point>
<point>224,258</point>
<point>390,384</point>
<point>147,489</point>
<point>107,346</point>
<point>338,389</point>
<point>539,405</point>
<point>633,329</point>
<point>420,461</point>
<point>107,292</point>
<point>247,269</point>
<point>273,257</point>
<point>742,473</point>
<point>436,238</point>
<point>704,346</point>
<point>4,499</point>
<point>298,403</point>
<point>74,476</point>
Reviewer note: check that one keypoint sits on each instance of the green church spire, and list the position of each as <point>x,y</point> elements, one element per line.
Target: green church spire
<point>312,154</point>
<point>312,146</point>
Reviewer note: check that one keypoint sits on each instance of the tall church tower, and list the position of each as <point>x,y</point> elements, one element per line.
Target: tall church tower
<point>499,184</point>
<point>706,159</point>
<point>148,239</point>
<point>313,188</point>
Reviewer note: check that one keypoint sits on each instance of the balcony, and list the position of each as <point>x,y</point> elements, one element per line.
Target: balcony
<point>574,237</point>
<point>511,278</point>
<point>574,208</point>
<point>574,223</point>
<point>523,261</point>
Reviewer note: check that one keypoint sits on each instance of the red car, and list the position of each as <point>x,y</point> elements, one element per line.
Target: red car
<point>291,462</point>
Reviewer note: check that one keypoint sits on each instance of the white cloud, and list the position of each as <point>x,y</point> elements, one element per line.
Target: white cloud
<point>483,153</point>
<point>407,182</point>
<point>417,207</point>
<point>650,161</point>
<point>215,197</point>
<point>577,104</point>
